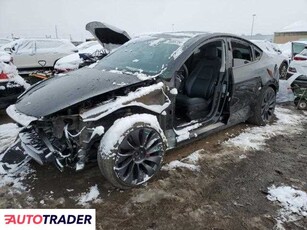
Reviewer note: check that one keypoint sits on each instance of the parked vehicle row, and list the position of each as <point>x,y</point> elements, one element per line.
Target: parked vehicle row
<point>29,54</point>
<point>151,94</point>
<point>108,38</point>
<point>299,58</point>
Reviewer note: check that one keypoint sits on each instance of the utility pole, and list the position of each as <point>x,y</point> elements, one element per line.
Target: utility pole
<point>254,15</point>
<point>56,31</point>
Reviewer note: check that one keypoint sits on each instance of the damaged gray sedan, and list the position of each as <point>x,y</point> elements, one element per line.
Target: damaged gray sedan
<point>152,94</point>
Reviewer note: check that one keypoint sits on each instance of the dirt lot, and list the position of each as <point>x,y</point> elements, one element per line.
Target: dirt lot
<point>227,192</point>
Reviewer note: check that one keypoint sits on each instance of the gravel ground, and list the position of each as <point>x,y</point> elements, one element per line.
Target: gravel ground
<point>227,190</point>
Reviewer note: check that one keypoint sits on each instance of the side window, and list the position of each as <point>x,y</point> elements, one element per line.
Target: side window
<point>45,44</point>
<point>242,53</point>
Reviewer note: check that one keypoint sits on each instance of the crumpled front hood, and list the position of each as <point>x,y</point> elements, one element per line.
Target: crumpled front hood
<point>60,92</point>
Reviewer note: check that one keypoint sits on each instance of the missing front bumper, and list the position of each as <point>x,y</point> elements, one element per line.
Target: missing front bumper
<point>41,149</point>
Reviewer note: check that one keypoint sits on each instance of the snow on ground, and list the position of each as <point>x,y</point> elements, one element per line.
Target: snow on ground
<point>91,196</point>
<point>8,134</point>
<point>293,204</point>
<point>255,138</point>
<point>189,162</point>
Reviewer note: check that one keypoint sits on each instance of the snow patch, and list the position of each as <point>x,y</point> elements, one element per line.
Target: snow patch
<point>293,204</point>
<point>8,134</point>
<point>177,52</point>
<point>184,134</point>
<point>91,196</point>
<point>189,162</point>
<point>99,130</point>
<point>17,173</point>
<point>21,118</point>
<point>178,164</point>
<point>194,157</point>
<point>255,137</point>
<point>174,91</point>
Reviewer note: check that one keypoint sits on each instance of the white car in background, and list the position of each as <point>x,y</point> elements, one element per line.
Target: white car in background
<point>86,45</point>
<point>74,61</point>
<point>29,54</point>
<point>108,38</point>
<point>299,59</point>
<point>282,60</point>
<point>4,41</point>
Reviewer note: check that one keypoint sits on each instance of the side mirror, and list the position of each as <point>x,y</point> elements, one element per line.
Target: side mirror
<point>8,50</point>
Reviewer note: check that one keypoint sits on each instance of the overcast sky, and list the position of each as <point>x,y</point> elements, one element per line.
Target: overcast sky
<point>38,18</point>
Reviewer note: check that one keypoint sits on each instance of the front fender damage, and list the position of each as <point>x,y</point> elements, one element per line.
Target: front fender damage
<point>152,98</point>
<point>66,140</point>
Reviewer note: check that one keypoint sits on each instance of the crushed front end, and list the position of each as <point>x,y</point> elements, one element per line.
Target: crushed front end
<point>64,141</point>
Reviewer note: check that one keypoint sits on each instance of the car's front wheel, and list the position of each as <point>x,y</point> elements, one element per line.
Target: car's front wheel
<point>131,151</point>
<point>265,107</point>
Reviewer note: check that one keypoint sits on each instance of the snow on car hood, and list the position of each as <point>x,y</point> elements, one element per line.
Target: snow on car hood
<point>72,61</point>
<point>63,91</point>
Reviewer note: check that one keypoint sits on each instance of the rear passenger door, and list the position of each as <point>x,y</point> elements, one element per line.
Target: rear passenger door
<point>47,51</point>
<point>246,78</point>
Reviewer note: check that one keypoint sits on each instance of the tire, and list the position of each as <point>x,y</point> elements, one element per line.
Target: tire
<point>283,70</point>
<point>131,151</point>
<point>265,107</point>
<point>302,104</point>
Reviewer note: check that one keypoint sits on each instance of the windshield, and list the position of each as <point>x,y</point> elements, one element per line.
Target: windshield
<point>148,55</point>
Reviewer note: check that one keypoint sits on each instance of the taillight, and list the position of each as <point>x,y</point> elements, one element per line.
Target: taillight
<point>3,76</point>
<point>300,59</point>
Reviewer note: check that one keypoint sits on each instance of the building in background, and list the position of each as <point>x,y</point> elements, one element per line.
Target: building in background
<point>293,32</point>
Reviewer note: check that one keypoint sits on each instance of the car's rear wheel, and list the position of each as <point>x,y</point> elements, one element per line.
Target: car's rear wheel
<point>135,157</point>
<point>283,70</point>
<point>265,107</point>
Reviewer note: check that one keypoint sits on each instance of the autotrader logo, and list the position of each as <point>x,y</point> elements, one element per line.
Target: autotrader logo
<point>24,219</point>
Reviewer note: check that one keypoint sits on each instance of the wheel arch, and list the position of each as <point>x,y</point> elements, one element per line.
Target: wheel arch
<point>108,120</point>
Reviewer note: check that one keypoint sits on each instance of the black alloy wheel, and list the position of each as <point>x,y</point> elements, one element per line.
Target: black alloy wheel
<point>139,156</point>
<point>268,105</point>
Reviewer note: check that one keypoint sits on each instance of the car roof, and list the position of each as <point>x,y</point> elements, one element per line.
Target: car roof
<point>300,41</point>
<point>193,35</point>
